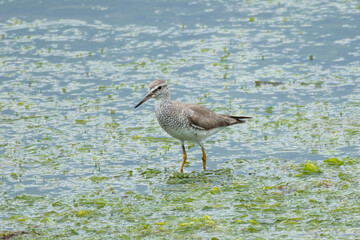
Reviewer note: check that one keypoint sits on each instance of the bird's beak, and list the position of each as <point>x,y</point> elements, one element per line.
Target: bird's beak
<point>147,97</point>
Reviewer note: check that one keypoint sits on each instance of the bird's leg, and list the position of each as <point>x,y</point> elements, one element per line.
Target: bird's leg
<point>203,157</point>
<point>184,158</point>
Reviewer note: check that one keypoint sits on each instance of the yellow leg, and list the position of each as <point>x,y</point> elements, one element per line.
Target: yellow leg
<point>184,158</point>
<point>203,157</point>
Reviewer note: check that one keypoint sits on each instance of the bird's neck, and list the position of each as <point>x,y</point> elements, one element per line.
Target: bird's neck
<point>163,102</point>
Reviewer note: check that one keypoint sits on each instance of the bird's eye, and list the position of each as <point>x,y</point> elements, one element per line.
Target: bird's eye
<point>159,87</point>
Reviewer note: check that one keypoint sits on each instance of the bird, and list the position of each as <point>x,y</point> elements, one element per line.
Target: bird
<point>186,121</point>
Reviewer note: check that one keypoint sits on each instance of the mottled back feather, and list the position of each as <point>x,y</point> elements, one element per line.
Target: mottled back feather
<point>203,118</point>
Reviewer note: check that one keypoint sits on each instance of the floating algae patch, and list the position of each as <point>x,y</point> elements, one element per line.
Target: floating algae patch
<point>310,168</point>
<point>215,204</point>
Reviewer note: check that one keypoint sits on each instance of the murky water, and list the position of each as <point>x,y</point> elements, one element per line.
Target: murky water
<point>71,73</point>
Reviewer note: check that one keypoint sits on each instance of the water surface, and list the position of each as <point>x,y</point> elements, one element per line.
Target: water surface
<point>71,141</point>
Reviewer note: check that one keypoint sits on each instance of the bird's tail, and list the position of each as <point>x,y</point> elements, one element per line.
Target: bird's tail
<point>239,119</point>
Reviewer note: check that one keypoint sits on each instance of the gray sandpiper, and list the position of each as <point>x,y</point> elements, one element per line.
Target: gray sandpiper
<point>186,121</point>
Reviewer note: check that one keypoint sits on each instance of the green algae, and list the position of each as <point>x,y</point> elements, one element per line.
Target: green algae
<point>242,206</point>
<point>310,168</point>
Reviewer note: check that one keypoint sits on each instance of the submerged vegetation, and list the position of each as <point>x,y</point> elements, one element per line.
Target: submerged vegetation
<point>277,198</point>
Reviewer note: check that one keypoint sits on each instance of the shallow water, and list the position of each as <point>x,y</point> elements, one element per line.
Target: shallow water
<point>71,73</point>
